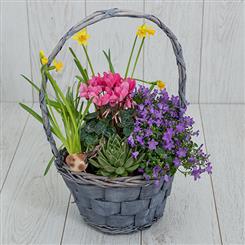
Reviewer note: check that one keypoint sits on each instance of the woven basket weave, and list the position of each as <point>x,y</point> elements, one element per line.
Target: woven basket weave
<point>124,204</point>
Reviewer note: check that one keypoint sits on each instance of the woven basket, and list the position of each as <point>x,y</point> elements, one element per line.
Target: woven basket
<point>119,205</point>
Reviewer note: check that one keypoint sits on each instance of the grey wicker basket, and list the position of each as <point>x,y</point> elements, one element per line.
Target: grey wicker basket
<point>119,205</point>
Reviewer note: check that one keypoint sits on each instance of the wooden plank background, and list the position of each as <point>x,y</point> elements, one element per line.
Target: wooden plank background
<point>211,34</point>
<point>39,210</point>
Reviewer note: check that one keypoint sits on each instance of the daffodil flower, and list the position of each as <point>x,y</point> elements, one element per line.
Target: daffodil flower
<point>43,58</point>
<point>58,65</point>
<point>145,30</point>
<point>160,84</point>
<point>81,37</point>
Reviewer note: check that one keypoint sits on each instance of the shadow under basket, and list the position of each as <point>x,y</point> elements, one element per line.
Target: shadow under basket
<point>118,205</point>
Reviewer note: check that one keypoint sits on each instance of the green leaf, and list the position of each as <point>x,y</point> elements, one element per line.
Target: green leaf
<point>79,66</point>
<point>90,116</point>
<point>160,151</point>
<point>129,163</point>
<point>32,112</point>
<point>127,131</point>
<point>94,163</point>
<point>120,170</point>
<point>134,167</point>
<point>31,82</point>
<point>49,165</point>
<point>108,57</point>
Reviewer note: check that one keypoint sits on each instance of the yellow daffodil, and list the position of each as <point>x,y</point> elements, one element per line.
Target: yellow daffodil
<point>81,37</point>
<point>160,84</point>
<point>58,65</point>
<point>43,58</point>
<point>145,30</point>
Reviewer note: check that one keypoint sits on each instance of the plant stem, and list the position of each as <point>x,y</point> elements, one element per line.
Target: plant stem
<point>137,57</point>
<point>130,57</point>
<point>89,62</point>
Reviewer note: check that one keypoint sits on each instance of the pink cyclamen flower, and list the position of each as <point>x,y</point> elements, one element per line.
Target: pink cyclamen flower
<point>109,89</point>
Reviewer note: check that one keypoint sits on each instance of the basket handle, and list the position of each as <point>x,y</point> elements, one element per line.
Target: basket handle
<point>94,18</point>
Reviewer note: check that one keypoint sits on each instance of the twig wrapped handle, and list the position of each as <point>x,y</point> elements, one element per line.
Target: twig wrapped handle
<point>94,18</point>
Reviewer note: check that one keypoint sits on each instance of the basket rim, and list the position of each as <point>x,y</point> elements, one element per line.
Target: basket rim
<point>85,178</point>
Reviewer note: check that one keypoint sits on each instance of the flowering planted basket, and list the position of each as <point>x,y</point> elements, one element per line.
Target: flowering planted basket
<point>119,160</point>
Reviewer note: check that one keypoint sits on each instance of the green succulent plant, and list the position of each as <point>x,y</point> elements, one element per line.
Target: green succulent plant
<point>114,158</point>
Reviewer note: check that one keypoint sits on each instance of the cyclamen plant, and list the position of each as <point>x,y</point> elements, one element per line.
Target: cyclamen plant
<point>164,133</point>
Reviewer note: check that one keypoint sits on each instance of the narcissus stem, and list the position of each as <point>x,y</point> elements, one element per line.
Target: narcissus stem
<point>137,57</point>
<point>130,57</point>
<point>89,61</point>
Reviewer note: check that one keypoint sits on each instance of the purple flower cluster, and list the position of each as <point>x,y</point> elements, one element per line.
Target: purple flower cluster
<point>164,133</point>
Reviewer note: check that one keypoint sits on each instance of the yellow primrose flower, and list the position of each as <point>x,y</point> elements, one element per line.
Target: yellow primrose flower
<point>160,84</point>
<point>43,58</point>
<point>145,30</point>
<point>58,65</point>
<point>81,37</point>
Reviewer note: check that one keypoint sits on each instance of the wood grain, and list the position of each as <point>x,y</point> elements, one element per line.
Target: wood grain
<point>116,34</point>
<point>34,206</point>
<point>189,217</point>
<point>224,127</point>
<point>15,52</point>
<point>222,75</point>
<point>13,119</point>
<point>77,232</point>
<point>185,20</point>
<point>49,20</point>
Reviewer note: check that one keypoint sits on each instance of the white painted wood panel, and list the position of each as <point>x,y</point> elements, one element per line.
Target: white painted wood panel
<point>222,75</point>
<point>13,119</point>
<point>15,57</point>
<point>184,18</point>
<point>77,232</point>
<point>225,137</point>
<point>116,34</point>
<point>189,216</point>
<point>34,206</point>
<point>49,21</point>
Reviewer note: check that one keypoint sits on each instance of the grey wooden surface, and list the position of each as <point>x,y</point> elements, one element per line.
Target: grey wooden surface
<point>39,210</point>
<point>211,33</point>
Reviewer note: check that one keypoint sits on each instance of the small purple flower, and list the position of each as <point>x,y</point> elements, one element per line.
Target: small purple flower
<point>196,133</point>
<point>140,139</point>
<point>152,144</point>
<point>181,152</point>
<point>146,176</point>
<point>209,168</point>
<point>148,132</point>
<point>156,182</point>
<point>141,107</point>
<point>176,162</point>
<point>168,134</point>
<point>169,145</point>
<point>166,178</point>
<point>131,141</point>
<point>150,122</point>
<point>192,160</point>
<point>141,170</point>
<point>158,122</point>
<point>137,129</point>
<point>135,154</point>
<point>180,128</point>
<point>196,173</point>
